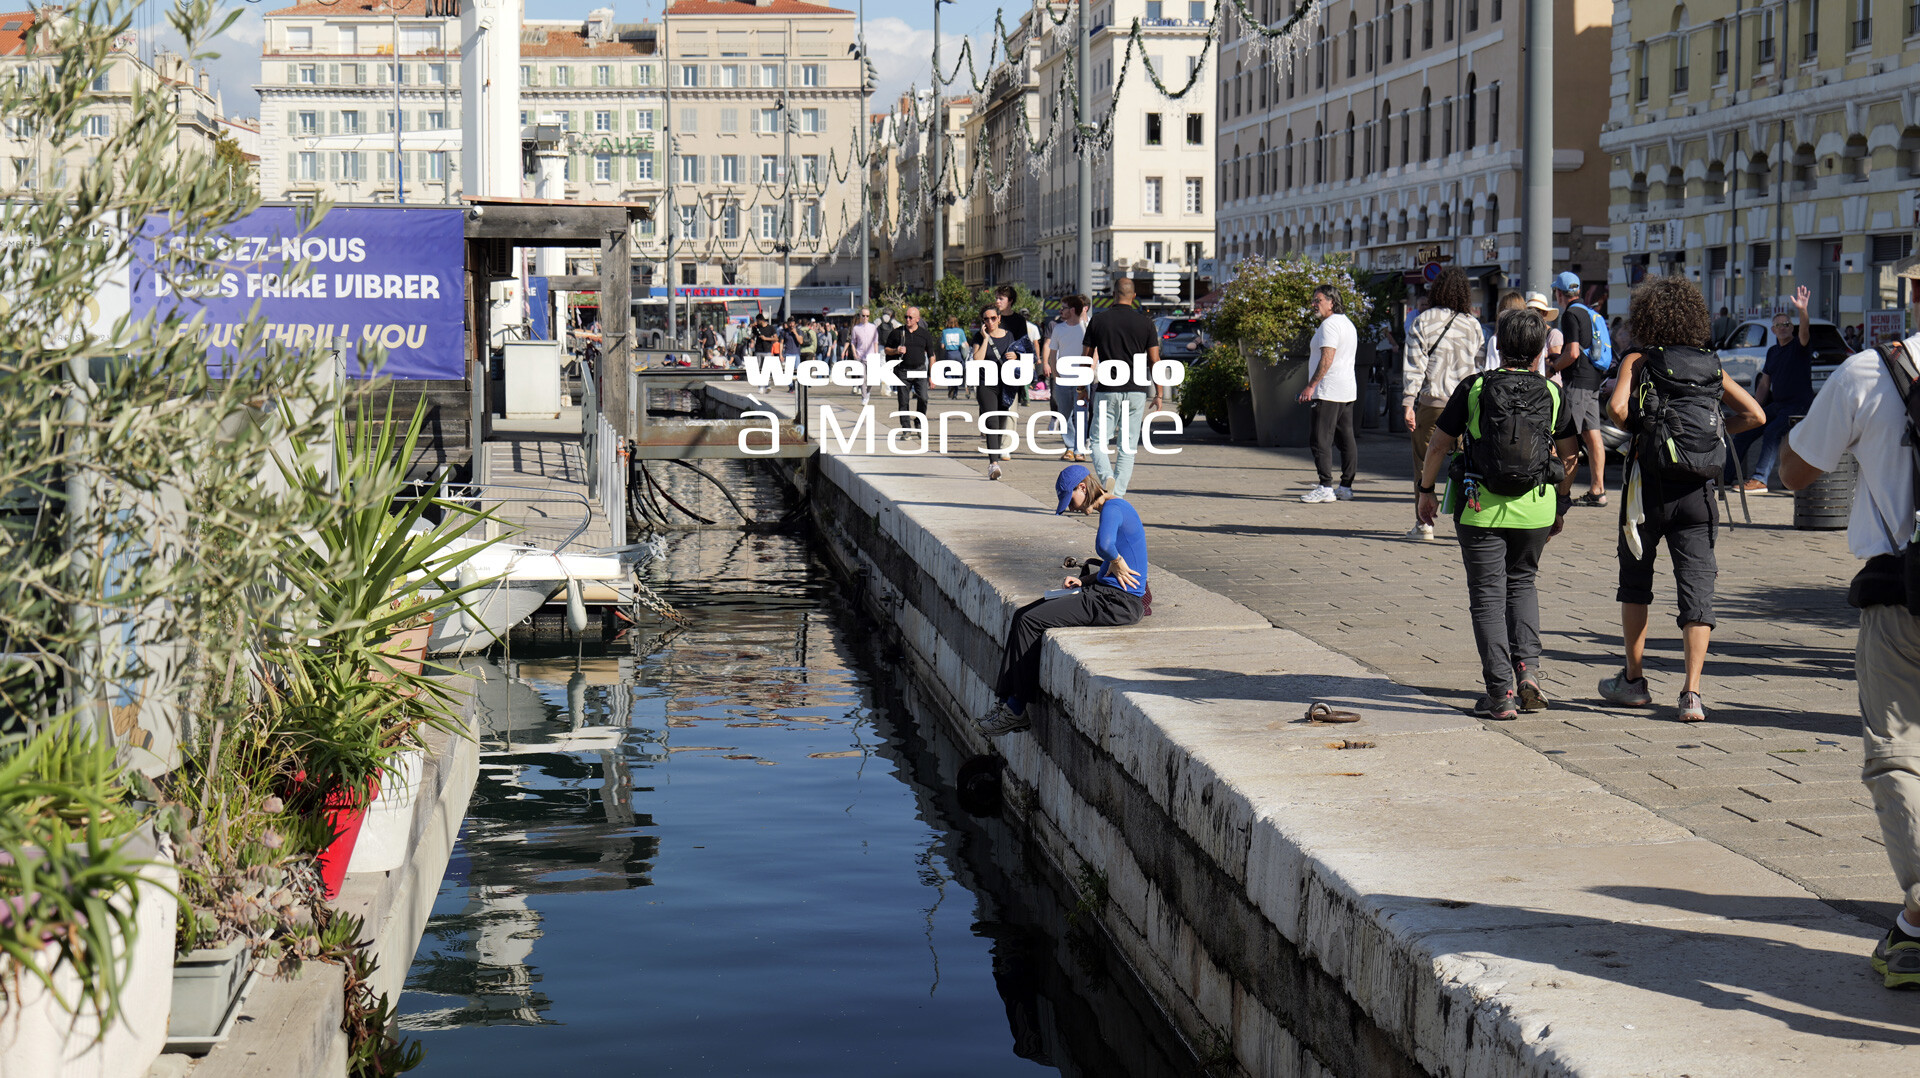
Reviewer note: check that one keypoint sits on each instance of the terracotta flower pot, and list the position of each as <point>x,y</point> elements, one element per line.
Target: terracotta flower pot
<point>406,650</point>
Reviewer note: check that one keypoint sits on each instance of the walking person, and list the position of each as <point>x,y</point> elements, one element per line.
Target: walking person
<point>1669,397</point>
<point>953,340</point>
<point>995,345</point>
<point>1584,363</point>
<point>1509,498</point>
<point>1784,389</point>
<point>1868,409</point>
<point>1121,332</point>
<point>913,345</point>
<point>1116,595</point>
<point>1069,339</point>
<point>863,347</point>
<point>1443,350</point>
<point>1332,388</point>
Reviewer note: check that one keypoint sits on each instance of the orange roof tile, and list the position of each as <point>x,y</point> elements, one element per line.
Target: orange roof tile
<point>15,32</point>
<point>408,8</point>
<point>574,43</point>
<point>748,7</point>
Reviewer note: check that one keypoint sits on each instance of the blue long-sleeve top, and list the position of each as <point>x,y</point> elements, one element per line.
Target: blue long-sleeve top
<point>1122,535</point>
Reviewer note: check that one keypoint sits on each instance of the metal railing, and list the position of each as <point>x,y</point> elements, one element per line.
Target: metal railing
<point>600,450</point>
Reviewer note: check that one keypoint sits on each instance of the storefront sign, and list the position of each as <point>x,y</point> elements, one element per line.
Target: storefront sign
<point>366,281</point>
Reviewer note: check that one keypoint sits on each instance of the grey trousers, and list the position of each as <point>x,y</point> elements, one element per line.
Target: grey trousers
<point>1501,564</point>
<point>1887,670</point>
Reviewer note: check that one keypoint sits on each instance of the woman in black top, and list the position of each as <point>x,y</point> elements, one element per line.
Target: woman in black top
<point>993,344</point>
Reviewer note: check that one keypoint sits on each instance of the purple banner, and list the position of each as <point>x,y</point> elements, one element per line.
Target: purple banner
<point>361,279</point>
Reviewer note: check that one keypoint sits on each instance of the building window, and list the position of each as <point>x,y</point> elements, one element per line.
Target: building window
<point>350,122</point>
<point>1153,129</point>
<point>1862,24</point>
<point>526,75</point>
<point>102,81</point>
<point>1349,150</point>
<point>1473,15</point>
<point>728,76</point>
<point>1319,65</point>
<point>729,169</point>
<point>1386,40</point>
<point>729,121</point>
<point>1473,113</point>
<point>812,121</point>
<point>770,75</point>
<point>643,120</point>
<point>603,74</point>
<point>351,167</point>
<point>1681,77</point>
<point>436,74</point>
<point>299,39</point>
<point>1763,42</point>
<point>690,222</point>
<point>436,164</point>
<point>1353,44</point>
<point>1196,194</point>
<point>1153,11</point>
<point>1446,127</point>
<point>643,170</point>
<point>1426,24</point>
<point>305,75</point>
<point>308,123</point>
<point>1196,129</point>
<point>767,121</point>
<point>730,221</point>
<point>810,220</point>
<point>566,120</point>
<point>563,76</point>
<point>1155,250</point>
<point>690,75</point>
<point>644,74</point>
<point>1150,202</point>
<point>1809,31</point>
<point>689,121</point>
<point>602,167</point>
<point>1449,27</point>
<point>769,168</point>
<point>810,74</point>
<point>1720,51</point>
<point>689,273</point>
<point>810,168</point>
<point>1884,288</point>
<point>1426,125</point>
<point>1640,65</point>
<point>603,121</point>
<point>689,168</point>
<point>1386,135</point>
<point>1319,154</point>
<point>1493,114</point>
<point>769,222</point>
<point>307,166</point>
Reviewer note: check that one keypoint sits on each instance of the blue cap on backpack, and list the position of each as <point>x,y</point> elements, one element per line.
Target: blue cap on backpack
<point>1568,282</point>
<point>1070,478</point>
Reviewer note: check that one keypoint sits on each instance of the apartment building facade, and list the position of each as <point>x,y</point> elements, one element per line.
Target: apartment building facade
<point>360,102</point>
<point>999,176</point>
<point>1757,148</point>
<point>1394,138</point>
<point>1153,189</point>
<point>901,169</point>
<point>31,162</point>
<point>767,101</point>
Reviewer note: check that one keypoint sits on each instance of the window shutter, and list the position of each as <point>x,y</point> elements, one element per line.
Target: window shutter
<point>333,121</point>
<point>633,169</point>
<point>381,169</point>
<point>293,73</point>
<point>293,121</point>
<point>293,168</point>
<point>333,165</point>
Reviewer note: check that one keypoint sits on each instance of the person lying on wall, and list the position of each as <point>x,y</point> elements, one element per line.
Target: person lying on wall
<point>1114,592</point>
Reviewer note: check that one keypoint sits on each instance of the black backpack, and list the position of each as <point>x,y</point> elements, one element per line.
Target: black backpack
<point>1513,453</point>
<point>1675,413</point>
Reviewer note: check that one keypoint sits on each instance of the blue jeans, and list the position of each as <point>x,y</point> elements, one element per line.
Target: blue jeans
<point>1075,415</point>
<point>1117,414</point>
<point>1779,415</point>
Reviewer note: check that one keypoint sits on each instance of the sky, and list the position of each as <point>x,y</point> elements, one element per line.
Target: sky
<point>899,34</point>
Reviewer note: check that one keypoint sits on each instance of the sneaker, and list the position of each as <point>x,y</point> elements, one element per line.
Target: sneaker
<point>1420,531</point>
<point>1498,708</point>
<point>1317,495</point>
<point>1532,697</point>
<point>1343,493</point>
<point>1618,689</point>
<point>993,470</point>
<point>1002,720</point>
<point>1896,959</point>
<point>1691,709</point>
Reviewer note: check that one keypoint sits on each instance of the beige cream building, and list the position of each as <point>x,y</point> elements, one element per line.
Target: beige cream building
<point>1153,188</point>
<point>30,162</point>
<point>999,175</point>
<point>1757,148</point>
<point>904,250</point>
<point>1394,138</point>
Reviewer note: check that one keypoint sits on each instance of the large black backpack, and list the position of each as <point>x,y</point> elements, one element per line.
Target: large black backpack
<point>1513,452</point>
<point>1676,413</point>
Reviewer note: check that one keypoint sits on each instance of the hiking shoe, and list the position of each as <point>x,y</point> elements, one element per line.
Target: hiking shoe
<point>1420,531</point>
<point>1343,493</point>
<point>1692,710</point>
<point>1897,959</point>
<point>1002,720</point>
<point>1317,495</point>
<point>1619,689</point>
<point>1532,697</point>
<point>993,470</point>
<point>1499,708</point>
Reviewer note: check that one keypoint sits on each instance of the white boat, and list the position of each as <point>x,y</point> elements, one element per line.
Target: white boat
<point>527,577</point>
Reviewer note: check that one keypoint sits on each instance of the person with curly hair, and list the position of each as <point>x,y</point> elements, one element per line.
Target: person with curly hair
<point>1443,350</point>
<point>1671,330</point>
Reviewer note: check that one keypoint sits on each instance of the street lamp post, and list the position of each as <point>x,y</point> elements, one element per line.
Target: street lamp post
<point>666,158</point>
<point>937,133</point>
<point>399,159</point>
<point>786,232</point>
<point>1536,205</point>
<point>1083,243</point>
<point>866,169</point>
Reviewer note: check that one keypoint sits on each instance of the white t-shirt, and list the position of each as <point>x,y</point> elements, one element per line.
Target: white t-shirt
<point>1490,361</point>
<point>1069,339</point>
<point>1858,411</point>
<point>1337,333</point>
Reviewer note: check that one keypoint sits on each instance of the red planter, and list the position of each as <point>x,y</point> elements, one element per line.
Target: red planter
<point>343,819</point>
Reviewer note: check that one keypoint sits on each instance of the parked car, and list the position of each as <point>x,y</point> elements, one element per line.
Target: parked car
<point>1743,351</point>
<point>1180,338</point>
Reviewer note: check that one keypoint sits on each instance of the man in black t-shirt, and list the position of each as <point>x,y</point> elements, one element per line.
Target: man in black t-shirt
<point>1784,388</point>
<point>1582,383</point>
<point>1120,332</point>
<point>763,337</point>
<point>914,346</point>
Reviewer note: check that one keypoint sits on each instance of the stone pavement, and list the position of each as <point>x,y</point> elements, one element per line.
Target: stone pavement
<point>1774,774</point>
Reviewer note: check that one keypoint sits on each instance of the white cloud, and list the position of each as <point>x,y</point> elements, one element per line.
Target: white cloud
<point>901,58</point>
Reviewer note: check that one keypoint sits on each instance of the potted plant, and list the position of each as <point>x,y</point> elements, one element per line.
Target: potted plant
<point>1265,311</point>
<point>88,898</point>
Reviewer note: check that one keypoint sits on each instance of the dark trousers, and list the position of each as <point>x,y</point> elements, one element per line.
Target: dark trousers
<point>1686,515</point>
<point>999,437</point>
<point>913,398</point>
<point>1501,565</point>
<point>1092,605</point>
<point>1333,421</point>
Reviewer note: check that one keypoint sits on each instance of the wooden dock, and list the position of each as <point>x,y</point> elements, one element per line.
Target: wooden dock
<point>546,458</point>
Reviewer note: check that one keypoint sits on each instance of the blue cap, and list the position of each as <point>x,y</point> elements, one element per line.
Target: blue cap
<point>1070,478</point>
<point>1568,282</point>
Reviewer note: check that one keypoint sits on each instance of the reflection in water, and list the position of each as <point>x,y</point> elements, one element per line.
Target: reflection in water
<point>735,849</point>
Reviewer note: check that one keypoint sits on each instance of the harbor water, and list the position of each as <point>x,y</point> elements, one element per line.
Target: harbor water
<point>740,848</point>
